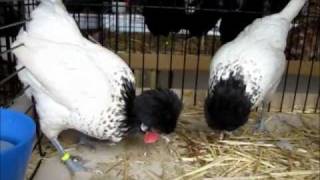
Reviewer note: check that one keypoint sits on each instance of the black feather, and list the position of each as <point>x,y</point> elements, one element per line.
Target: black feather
<point>158,109</point>
<point>228,106</point>
<point>202,21</point>
<point>233,22</point>
<point>128,94</point>
<point>88,6</point>
<point>162,20</point>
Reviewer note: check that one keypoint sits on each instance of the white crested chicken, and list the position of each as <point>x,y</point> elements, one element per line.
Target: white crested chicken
<point>245,72</point>
<point>80,85</point>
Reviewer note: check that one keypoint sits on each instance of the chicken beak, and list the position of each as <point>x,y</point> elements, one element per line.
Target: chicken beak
<point>143,127</point>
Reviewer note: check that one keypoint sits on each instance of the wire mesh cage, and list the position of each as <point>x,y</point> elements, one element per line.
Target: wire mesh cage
<point>176,59</point>
<point>167,55</point>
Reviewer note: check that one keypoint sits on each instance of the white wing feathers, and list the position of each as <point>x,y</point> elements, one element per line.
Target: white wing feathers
<point>69,77</point>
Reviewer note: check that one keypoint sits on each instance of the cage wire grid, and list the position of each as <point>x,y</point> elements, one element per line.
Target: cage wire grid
<point>126,33</point>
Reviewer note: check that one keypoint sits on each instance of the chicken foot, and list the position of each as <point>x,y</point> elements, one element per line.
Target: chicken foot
<point>262,116</point>
<point>73,165</point>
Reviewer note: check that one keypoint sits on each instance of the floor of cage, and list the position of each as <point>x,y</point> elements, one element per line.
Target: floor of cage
<point>289,149</point>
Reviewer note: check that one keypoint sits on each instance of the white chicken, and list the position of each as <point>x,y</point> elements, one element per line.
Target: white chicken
<point>245,72</point>
<point>80,85</point>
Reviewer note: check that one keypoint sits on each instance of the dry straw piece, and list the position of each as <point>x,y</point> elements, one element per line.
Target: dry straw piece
<point>285,151</point>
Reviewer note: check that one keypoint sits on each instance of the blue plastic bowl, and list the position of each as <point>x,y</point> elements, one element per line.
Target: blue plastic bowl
<point>17,132</point>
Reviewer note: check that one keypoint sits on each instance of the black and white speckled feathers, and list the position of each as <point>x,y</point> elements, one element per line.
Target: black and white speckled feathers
<point>247,70</point>
<point>157,109</point>
<point>79,84</point>
<point>128,94</point>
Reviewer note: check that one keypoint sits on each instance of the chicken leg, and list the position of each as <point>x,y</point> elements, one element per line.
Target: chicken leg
<point>73,165</point>
<point>86,141</point>
<point>262,114</point>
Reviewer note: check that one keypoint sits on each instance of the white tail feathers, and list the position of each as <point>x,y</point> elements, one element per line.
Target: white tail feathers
<point>53,3</point>
<point>51,21</point>
<point>292,9</point>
